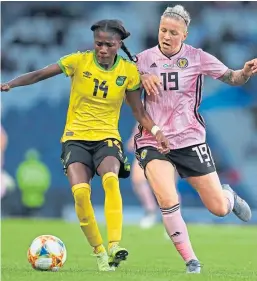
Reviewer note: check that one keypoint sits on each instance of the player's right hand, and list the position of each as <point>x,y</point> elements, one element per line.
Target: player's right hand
<point>151,83</point>
<point>5,88</point>
<point>163,143</point>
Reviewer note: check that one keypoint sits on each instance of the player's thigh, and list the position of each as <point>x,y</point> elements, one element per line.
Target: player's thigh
<point>210,190</point>
<point>79,173</point>
<point>137,173</point>
<point>109,157</point>
<point>77,162</point>
<point>109,164</point>
<point>160,174</point>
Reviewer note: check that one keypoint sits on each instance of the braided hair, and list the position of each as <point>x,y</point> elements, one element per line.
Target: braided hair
<point>115,26</point>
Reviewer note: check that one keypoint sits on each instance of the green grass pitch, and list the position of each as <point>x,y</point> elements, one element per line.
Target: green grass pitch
<point>227,253</point>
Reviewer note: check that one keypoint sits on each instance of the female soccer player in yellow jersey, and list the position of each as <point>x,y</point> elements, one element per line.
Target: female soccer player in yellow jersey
<point>91,142</point>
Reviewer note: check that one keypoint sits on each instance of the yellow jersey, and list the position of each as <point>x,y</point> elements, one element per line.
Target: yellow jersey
<point>96,95</point>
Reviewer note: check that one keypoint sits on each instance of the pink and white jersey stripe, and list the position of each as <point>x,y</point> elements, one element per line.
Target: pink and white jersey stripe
<point>175,109</point>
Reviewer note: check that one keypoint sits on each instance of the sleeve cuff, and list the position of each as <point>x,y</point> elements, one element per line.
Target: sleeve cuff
<point>134,88</point>
<point>62,67</point>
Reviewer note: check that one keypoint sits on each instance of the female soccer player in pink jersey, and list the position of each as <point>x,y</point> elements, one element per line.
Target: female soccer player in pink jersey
<point>172,75</point>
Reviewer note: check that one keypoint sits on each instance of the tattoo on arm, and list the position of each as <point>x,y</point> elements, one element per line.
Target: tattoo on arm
<point>227,77</point>
<point>234,77</point>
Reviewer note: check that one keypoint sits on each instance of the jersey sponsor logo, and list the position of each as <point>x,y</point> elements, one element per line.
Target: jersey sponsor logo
<point>87,74</point>
<point>143,154</point>
<point>120,80</point>
<point>182,63</point>
<point>167,65</point>
<point>153,65</point>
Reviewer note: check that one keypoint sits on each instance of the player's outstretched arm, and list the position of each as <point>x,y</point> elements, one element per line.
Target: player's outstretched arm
<point>141,115</point>
<point>240,77</point>
<point>32,77</point>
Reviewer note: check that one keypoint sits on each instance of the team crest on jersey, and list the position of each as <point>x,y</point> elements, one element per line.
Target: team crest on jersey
<point>120,80</point>
<point>143,154</point>
<point>182,63</point>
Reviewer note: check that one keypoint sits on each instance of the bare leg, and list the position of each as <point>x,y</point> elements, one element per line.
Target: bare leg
<point>220,200</point>
<point>145,196</point>
<point>167,197</point>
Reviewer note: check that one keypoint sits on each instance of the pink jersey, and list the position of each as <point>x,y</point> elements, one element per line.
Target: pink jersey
<point>175,109</point>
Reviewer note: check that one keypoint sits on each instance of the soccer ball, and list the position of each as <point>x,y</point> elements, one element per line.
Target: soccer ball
<point>47,253</point>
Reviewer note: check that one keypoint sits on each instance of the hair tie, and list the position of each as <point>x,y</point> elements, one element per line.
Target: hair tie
<point>180,16</point>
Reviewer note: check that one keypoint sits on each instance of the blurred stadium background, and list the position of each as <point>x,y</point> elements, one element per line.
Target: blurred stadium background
<point>35,34</point>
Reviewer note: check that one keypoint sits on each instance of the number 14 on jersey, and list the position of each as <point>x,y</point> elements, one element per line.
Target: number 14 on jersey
<point>100,87</point>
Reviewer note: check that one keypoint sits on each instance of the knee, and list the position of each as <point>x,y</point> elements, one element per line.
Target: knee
<point>110,170</point>
<point>81,193</point>
<point>110,181</point>
<point>165,202</point>
<point>220,209</point>
<point>166,197</point>
<point>221,212</point>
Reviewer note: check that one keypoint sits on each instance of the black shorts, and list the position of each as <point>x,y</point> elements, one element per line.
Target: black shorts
<point>92,153</point>
<point>189,161</point>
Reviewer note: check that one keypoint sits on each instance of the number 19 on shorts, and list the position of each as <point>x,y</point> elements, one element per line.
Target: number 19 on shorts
<point>204,154</point>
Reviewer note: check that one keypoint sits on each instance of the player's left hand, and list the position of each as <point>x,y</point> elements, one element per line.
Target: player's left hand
<point>151,83</point>
<point>163,143</point>
<point>250,68</point>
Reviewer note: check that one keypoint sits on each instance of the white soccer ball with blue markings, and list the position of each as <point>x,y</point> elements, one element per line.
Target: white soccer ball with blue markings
<point>47,253</point>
